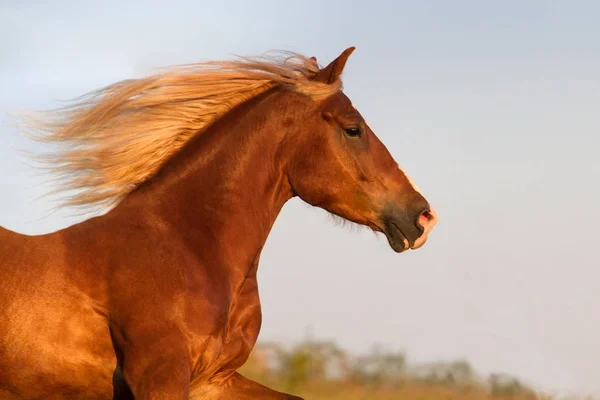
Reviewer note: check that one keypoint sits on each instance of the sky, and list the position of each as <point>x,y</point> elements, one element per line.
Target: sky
<point>491,107</point>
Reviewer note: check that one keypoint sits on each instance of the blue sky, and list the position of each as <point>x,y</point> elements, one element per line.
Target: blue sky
<point>492,108</point>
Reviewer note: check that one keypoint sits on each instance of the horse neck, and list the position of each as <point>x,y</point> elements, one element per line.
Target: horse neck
<point>224,190</point>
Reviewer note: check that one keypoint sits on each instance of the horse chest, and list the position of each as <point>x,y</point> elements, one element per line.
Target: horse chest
<point>245,319</point>
<point>238,332</point>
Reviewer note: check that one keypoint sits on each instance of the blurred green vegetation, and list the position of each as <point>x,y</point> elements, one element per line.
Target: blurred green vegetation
<point>320,370</point>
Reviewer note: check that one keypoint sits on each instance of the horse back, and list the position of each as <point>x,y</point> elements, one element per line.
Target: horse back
<point>23,258</point>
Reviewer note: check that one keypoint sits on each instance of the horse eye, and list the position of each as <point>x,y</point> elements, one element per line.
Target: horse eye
<point>353,132</point>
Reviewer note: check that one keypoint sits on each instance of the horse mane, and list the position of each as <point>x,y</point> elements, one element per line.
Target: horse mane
<point>114,139</point>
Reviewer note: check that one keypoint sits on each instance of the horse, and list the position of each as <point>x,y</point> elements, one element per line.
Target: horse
<point>157,297</point>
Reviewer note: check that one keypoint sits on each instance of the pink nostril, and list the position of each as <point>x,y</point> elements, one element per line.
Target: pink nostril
<point>428,219</point>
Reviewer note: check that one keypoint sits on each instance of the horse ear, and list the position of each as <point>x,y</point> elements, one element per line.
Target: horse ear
<point>332,72</point>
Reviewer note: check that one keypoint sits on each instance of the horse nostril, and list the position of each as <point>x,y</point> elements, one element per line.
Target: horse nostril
<point>427,219</point>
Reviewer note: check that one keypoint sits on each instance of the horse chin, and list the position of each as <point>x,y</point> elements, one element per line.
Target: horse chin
<point>396,239</point>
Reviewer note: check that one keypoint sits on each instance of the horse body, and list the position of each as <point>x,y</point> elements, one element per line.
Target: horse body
<point>60,327</point>
<point>158,298</point>
<point>55,340</point>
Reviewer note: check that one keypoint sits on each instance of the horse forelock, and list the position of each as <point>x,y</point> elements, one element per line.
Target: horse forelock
<point>118,137</point>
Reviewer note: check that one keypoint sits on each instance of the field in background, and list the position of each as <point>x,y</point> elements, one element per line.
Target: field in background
<point>319,370</point>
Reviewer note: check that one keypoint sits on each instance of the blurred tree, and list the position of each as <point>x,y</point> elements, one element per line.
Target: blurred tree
<point>379,368</point>
<point>505,385</point>
<point>320,370</point>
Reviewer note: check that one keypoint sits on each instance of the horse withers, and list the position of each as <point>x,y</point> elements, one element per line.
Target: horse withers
<point>157,298</point>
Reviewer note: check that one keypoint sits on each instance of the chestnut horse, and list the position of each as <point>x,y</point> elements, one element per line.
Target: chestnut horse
<point>157,298</point>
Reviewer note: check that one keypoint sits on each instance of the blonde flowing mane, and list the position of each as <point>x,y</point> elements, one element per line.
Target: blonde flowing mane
<point>114,139</point>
